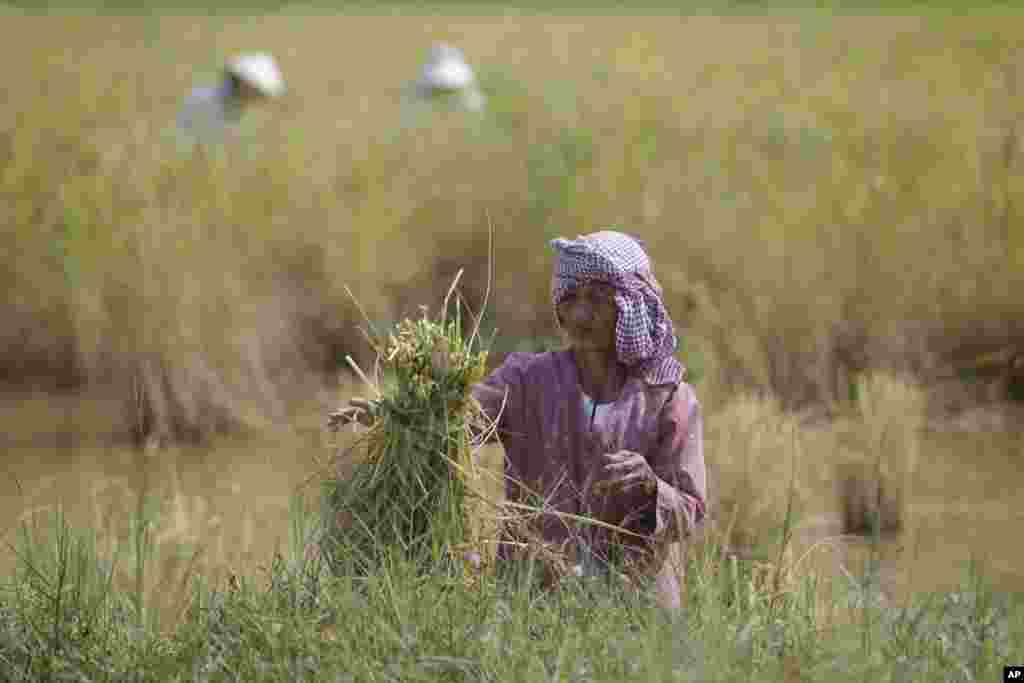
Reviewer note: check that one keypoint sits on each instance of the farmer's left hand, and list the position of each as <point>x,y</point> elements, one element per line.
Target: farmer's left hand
<point>628,470</point>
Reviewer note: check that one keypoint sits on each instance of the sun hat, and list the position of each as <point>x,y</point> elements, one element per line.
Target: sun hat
<point>447,70</point>
<point>260,71</point>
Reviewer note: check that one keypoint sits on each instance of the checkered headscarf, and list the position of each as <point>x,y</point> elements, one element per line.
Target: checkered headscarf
<point>644,337</point>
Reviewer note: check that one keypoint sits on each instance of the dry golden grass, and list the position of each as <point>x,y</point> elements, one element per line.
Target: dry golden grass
<point>759,455</point>
<point>821,197</point>
<point>787,173</point>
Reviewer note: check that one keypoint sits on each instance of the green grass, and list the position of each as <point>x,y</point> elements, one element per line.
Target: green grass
<point>62,619</point>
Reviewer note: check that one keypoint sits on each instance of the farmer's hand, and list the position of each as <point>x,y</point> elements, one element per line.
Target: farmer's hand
<point>359,410</point>
<point>627,470</point>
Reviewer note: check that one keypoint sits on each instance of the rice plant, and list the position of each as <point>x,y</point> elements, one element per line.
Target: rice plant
<point>412,489</point>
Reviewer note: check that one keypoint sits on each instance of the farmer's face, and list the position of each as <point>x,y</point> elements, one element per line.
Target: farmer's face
<point>245,92</point>
<point>588,316</point>
<point>248,94</point>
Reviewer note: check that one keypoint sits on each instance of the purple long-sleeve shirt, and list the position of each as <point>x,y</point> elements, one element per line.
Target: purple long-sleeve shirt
<point>555,438</point>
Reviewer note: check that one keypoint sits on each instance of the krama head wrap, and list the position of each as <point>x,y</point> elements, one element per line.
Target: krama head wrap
<point>645,339</point>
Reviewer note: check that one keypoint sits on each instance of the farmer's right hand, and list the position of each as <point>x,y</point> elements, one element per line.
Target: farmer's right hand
<point>359,410</point>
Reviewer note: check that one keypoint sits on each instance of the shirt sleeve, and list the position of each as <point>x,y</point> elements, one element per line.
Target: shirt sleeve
<point>500,395</point>
<point>193,111</point>
<point>202,117</point>
<point>678,461</point>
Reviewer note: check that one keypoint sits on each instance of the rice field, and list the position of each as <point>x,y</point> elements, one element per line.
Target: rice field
<point>830,201</point>
<point>208,548</point>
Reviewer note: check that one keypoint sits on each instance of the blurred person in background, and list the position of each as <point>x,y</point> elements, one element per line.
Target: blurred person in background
<point>447,76</point>
<point>606,429</point>
<point>247,80</point>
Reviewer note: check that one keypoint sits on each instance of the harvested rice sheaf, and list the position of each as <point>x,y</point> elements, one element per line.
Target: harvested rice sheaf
<point>415,489</point>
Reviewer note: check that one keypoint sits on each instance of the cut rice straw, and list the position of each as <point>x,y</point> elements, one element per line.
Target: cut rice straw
<point>366,380</point>
<point>490,276</point>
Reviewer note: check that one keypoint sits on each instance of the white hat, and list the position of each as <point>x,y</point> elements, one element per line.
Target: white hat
<point>446,70</point>
<point>260,71</point>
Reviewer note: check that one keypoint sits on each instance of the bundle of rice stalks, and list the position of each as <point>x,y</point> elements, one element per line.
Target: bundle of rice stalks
<point>415,488</point>
<point>520,531</point>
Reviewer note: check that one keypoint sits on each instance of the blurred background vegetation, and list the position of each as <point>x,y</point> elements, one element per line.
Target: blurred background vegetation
<point>822,195</point>
<point>830,199</point>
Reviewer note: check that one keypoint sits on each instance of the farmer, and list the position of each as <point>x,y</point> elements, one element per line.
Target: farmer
<point>606,429</point>
<point>446,74</point>
<point>247,80</point>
